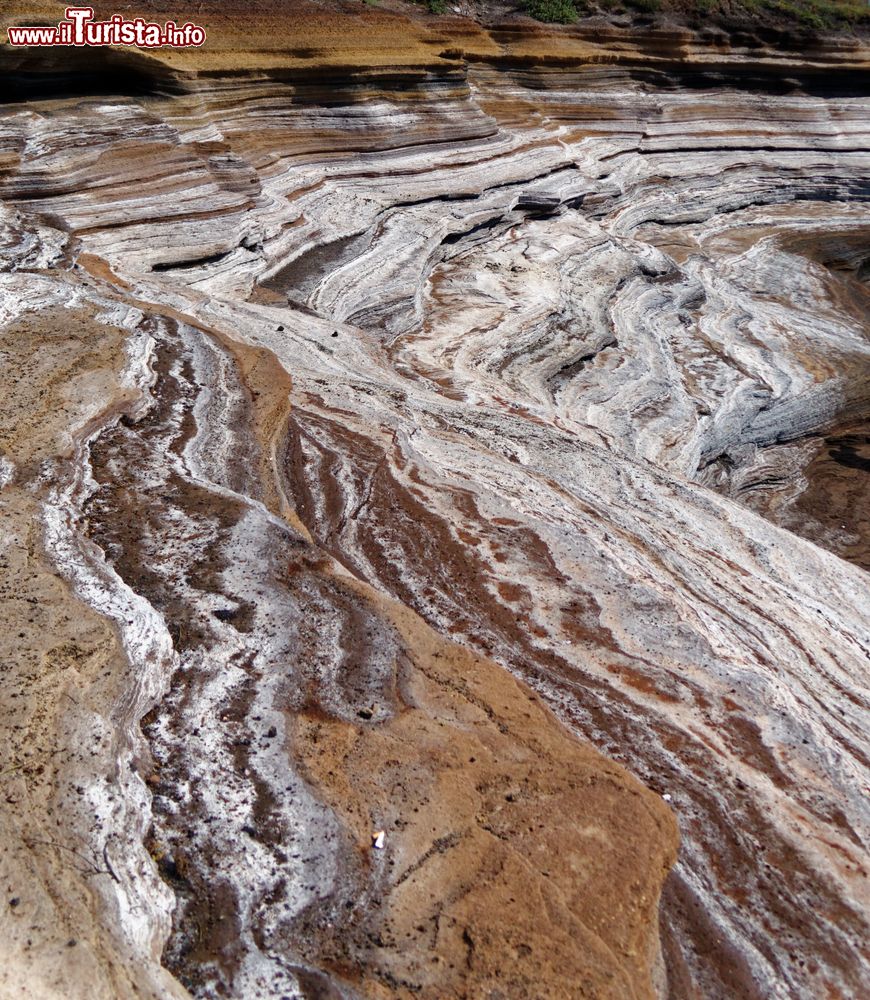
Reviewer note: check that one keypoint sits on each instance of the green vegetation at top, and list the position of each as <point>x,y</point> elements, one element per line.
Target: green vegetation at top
<point>819,14</point>
<point>553,11</point>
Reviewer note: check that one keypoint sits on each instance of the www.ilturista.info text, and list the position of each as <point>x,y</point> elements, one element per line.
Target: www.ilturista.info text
<point>80,28</point>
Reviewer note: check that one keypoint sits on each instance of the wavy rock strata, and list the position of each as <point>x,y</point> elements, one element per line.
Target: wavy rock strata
<point>554,315</point>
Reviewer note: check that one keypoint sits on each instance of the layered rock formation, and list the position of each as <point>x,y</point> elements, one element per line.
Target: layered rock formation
<point>367,371</point>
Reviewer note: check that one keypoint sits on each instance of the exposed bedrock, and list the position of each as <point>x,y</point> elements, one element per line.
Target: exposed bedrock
<point>503,835</point>
<point>460,367</point>
<point>84,913</point>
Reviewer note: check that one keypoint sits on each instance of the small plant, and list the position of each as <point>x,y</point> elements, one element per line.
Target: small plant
<point>552,11</point>
<point>855,13</point>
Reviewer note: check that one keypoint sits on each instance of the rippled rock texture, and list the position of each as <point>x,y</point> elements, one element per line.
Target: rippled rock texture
<point>390,421</point>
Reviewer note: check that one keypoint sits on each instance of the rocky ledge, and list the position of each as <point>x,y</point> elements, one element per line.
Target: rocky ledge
<point>434,471</point>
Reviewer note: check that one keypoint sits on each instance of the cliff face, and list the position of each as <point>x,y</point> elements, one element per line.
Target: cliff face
<point>389,408</point>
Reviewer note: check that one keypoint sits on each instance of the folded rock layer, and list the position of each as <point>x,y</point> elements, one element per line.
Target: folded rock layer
<point>391,404</point>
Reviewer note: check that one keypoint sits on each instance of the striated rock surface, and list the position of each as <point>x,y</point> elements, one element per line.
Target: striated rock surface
<point>375,389</point>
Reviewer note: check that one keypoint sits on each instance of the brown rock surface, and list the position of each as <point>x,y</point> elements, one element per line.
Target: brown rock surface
<point>512,864</point>
<point>64,675</point>
<point>360,370</point>
<point>511,852</point>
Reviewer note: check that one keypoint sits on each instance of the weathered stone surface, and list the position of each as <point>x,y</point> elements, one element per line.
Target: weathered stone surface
<point>447,354</point>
